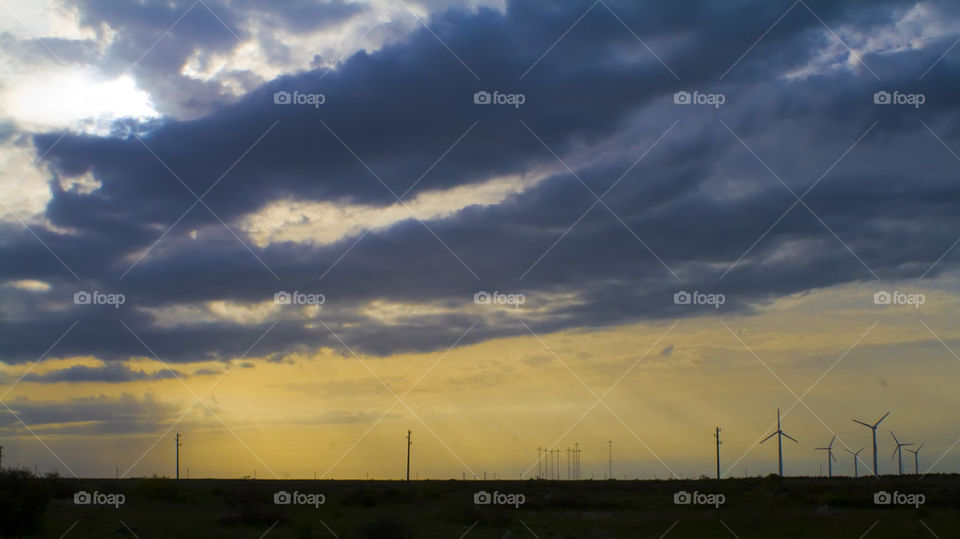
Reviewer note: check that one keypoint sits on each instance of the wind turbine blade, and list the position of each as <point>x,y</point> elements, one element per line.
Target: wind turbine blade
<point>919,448</point>
<point>768,437</point>
<point>862,423</point>
<point>834,439</point>
<point>881,419</point>
<point>788,436</point>
<point>833,457</point>
<point>894,452</point>
<point>895,437</point>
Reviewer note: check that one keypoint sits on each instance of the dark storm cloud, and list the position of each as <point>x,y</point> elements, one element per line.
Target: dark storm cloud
<point>599,99</point>
<point>110,373</point>
<point>125,414</point>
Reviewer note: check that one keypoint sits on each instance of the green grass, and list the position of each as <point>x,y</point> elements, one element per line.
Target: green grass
<point>755,508</point>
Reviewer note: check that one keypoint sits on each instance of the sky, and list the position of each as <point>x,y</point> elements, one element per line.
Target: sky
<point>293,232</point>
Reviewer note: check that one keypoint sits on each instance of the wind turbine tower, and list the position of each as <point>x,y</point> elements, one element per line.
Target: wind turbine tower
<point>830,457</point>
<point>874,429</point>
<point>916,459</point>
<point>779,434</point>
<point>898,452</point>
<point>855,467</point>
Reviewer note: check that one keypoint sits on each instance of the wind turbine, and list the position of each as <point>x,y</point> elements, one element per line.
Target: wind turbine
<point>830,457</point>
<point>855,459</point>
<point>916,459</point>
<point>874,429</point>
<point>898,451</point>
<point>779,434</point>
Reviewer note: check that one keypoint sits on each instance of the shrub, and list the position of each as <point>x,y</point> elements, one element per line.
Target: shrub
<point>384,528</point>
<point>24,499</point>
<point>157,488</point>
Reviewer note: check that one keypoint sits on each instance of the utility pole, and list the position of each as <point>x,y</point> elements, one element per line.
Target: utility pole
<point>409,443</point>
<point>610,460</point>
<point>576,449</point>
<point>717,436</point>
<point>178,444</point>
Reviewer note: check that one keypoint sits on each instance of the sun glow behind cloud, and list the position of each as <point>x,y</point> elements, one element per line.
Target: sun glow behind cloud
<point>77,100</point>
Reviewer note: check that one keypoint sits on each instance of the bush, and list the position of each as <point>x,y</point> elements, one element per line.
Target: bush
<point>24,499</point>
<point>384,528</point>
<point>250,506</point>
<point>157,488</point>
<point>61,487</point>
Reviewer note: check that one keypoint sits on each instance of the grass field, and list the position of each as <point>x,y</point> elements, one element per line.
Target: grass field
<point>759,507</point>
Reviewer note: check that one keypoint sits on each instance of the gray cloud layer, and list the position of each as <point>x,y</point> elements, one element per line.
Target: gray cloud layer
<point>599,99</point>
